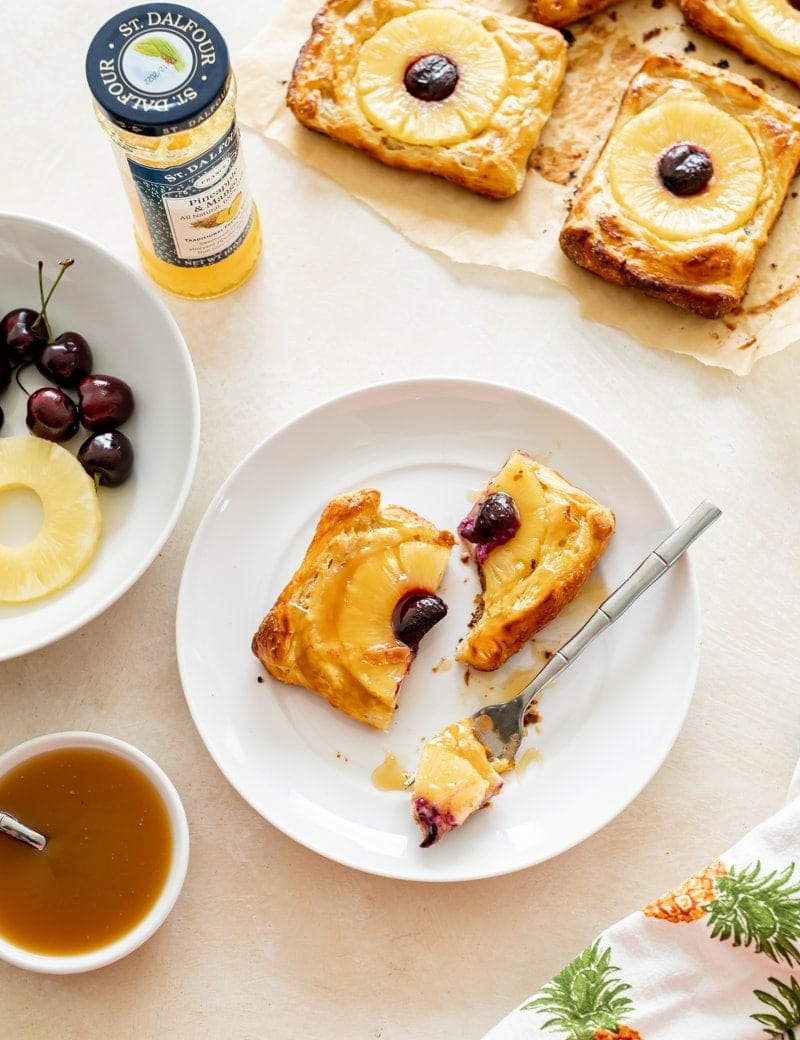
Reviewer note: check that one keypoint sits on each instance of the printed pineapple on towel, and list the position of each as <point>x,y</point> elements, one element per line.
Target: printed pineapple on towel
<point>716,957</point>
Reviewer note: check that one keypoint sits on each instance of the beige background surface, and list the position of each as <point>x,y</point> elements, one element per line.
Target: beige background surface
<point>269,939</point>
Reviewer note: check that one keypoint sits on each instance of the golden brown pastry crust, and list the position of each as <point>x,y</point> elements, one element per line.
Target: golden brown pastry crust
<point>722,21</point>
<point>570,531</point>
<point>322,93</point>
<point>707,274</point>
<point>558,13</point>
<point>298,641</point>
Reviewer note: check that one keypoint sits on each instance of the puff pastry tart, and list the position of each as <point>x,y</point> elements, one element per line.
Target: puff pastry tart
<point>535,538</point>
<point>688,186</point>
<point>348,623</point>
<point>442,87</point>
<point>768,31</point>
<point>559,13</point>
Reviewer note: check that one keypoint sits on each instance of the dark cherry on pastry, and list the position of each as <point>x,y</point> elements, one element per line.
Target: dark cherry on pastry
<point>433,77</point>
<point>685,169</point>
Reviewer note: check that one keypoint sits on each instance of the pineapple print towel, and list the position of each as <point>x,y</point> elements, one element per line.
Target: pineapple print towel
<point>719,956</point>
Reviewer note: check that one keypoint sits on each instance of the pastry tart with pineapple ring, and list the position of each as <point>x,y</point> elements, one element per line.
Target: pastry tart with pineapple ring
<point>534,538</point>
<point>349,622</point>
<point>441,87</point>
<point>768,31</point>
<point>688,186</point>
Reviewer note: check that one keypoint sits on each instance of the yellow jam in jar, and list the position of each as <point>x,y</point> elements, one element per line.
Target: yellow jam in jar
<point>165,94</point>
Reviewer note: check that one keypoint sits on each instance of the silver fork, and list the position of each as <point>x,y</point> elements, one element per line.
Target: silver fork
<point>500,727</point>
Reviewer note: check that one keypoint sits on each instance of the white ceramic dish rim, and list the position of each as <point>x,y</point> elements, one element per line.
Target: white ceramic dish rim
<point>53,632</point>
<point>68,964</point>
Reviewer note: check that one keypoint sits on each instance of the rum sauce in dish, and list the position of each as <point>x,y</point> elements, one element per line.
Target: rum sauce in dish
<point>108,854</point>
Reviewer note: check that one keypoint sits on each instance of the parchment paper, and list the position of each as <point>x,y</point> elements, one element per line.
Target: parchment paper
<point>522,233</point>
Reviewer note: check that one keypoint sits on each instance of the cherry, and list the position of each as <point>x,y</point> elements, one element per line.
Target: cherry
<point>52,414</point>
<point>494,522</point>
<point>415,615</point>
<point>66,361</point>
<point>108,457</point>
<point>685,169</point>
<point>497,518</point>
<point>104,402</point>
<point>23,333</point>
<point>433,77</point>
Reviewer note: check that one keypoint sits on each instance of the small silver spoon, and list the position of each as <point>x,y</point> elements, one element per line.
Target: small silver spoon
<point>11,826</point>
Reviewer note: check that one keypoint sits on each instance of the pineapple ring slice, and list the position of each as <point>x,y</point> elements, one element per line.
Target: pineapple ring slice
<point>71,522</point>
<point>775,21</point>
<point>729,199</point>
<point>380,580</point>
<point>384,58</point>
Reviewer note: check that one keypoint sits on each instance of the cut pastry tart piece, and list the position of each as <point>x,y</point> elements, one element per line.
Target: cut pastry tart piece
<point>535,538</point>
<point>454,779</point>
<point>349,622</point>
<point>441,87</point>
<point>71,521</point>
<point>767,31</point>
<point>686,190</point>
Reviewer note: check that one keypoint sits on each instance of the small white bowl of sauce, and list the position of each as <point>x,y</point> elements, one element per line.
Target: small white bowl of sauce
<point>116,855</point>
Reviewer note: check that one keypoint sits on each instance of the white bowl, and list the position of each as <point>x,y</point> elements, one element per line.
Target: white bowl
<point>67,964</point>
<point>132,336</point>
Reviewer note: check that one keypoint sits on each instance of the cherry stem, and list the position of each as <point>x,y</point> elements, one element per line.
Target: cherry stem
<point>42,315</point>
<point>18,380</point>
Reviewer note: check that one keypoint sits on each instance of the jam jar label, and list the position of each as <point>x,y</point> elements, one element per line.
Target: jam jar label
<point>200,211</point>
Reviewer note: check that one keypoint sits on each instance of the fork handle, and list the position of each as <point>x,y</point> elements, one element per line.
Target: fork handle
<point>652,567</point>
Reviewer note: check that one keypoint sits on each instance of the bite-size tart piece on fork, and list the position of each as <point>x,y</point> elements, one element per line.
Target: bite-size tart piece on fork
<point>442,87</point>
<point>349,622</point>
<point>535,538</point>
<point>688,186</point>
<point>454,779</point>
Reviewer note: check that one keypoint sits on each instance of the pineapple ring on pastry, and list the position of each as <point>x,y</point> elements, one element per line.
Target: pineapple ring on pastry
<point>446,88</point>
<point>347,625</point>
<point>775,21</point>
<point>699,251</point>
<point>478,77</point>
<point>71,521</point>
<point>767,31</point>
<point>725,202</point>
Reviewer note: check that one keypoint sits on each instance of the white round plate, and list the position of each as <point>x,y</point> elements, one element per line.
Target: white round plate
<point>132,336</point>
<point>431,445</point>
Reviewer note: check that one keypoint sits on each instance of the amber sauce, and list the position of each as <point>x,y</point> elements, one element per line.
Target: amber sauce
<point>389,775</point>
<point>108,853</point>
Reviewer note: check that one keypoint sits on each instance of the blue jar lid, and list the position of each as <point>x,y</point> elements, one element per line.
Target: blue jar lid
<point>157,69</point>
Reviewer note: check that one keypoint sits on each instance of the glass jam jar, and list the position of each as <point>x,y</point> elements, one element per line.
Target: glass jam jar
<point>165,94</point>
